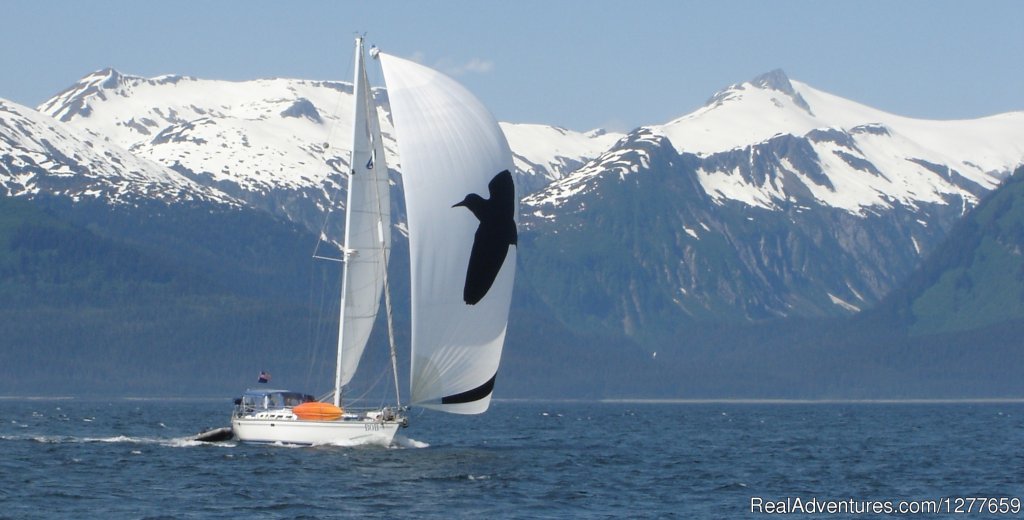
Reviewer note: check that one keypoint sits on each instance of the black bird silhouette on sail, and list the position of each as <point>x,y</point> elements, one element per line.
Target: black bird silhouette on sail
<point>497,231</point>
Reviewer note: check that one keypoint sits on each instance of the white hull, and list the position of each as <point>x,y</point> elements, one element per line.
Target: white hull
<point>344,432</point>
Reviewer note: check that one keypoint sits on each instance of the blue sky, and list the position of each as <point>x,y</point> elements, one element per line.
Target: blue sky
<point>574,63</point>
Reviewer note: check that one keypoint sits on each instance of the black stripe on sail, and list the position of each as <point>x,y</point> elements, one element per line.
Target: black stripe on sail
<point>469,396</point>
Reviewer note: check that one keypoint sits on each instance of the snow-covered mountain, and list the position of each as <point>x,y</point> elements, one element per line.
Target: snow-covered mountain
<point>774,199</point>
<point>772,142</point>
<point>278,144</point>
<point>40,156</point>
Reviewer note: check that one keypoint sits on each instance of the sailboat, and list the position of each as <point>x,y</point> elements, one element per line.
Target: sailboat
<point>461,209</point>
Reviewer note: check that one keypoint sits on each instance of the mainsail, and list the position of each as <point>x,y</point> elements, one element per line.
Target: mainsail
<point>367,231</point>
<point>461,207</point>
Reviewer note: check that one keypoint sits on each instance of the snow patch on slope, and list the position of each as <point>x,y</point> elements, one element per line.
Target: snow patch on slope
<point>547,153</point>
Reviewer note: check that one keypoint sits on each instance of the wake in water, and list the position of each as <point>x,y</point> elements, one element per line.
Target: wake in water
<point>402,441</point>
<point>174,442</point>
<point>399,442</point>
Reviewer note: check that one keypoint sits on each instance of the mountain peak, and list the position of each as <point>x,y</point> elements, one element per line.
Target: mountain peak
<point>775,80</point>
<point>103,78</point>
<point>778,80</point>
<point>74,99</point>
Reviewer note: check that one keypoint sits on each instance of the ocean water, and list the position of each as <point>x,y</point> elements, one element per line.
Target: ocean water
<point>78,458</point>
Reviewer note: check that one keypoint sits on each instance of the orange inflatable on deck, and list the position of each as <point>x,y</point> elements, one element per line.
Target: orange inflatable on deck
<point>314,411</point>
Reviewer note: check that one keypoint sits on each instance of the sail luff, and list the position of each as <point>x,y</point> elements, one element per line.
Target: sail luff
<point>383,198</point>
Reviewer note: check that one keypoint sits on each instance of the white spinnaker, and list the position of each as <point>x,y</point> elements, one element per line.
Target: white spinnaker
<point>367,230</point>
<point>450,146</point>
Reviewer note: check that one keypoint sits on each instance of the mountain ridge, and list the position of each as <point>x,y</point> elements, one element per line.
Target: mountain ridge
<point>280,145</point>
<point>847,138</point>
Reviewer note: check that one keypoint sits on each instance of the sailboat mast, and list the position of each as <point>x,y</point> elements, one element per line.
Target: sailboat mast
<point>357,89</point>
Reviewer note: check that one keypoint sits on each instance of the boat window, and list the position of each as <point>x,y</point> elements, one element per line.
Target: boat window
<point>252,401</point>
<point>292,398</point>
